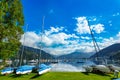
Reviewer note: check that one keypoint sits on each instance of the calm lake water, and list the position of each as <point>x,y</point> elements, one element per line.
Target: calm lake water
<point>71,66</point>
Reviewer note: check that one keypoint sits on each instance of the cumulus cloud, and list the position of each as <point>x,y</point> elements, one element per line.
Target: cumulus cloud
<point>57,41</point>
<point>59,50</point>
<point>53,30</point>
<point>83,26</point>
<point>109,41</point>
<point>98,28</point>
<point>118,37</point>
<point>86,38</point>
<point>30,39</point>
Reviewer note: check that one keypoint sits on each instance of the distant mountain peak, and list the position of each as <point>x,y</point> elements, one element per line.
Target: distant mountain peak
<point>108,51</point>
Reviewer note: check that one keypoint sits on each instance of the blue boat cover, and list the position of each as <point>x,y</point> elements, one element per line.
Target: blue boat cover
<point>25,67</point>
<point>7,69</point>
<point>43,67</point>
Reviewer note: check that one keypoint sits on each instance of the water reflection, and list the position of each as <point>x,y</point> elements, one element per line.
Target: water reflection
<point>70,67</point>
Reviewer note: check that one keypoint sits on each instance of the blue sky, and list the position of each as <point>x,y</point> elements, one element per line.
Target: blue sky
<point>66,24</point>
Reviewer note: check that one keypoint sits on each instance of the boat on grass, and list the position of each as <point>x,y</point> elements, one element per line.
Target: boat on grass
<point>43,68</point>
<point>7,70</point>
<point>101,68</point>
<point>113,67</point>
<point>97,68</point>
<point>25,69</point>
<point>88,68</point>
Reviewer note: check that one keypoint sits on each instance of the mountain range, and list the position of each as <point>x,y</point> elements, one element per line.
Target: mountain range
<point>112,51</point>
<point>75,55</point>
<point>30,53</point>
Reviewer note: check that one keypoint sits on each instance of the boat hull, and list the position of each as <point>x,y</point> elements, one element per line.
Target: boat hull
<point>102,68</point>
<point>43,68</point>
<point>26,69</point>
<point>7,71</point>
<point>44,71</point>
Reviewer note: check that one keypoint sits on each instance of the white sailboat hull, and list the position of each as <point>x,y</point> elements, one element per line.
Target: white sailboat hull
<point>114,67</point>
<point>24,72</point>
<point>6,72</point>
<point>26,69</point>
<point>44,71</point>
<point>102,68</point>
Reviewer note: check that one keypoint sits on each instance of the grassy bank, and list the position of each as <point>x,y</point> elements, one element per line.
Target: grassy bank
<point>58,76</point>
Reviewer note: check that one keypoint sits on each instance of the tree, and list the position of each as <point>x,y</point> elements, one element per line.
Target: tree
<point>11,22</point>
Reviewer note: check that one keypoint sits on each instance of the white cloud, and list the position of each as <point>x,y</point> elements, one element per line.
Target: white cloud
<point>86,47</point>
<point>68,46</point>
<point>59,38</point>
<point>53,29</point>
<point>58,42</point>
<point>118,35</point>
<point>109,41</point>
<point>59,50</point>
<point>30,39</point>
<point>83,26</point>
<point>47,40</point>
<point>86,38</point>
<point>98,28</point>
<point>54,37</point>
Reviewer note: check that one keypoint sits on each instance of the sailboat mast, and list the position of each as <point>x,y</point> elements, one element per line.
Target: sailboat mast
<point>21,57</point>
<point>42,32</point>
<point>97,49</point>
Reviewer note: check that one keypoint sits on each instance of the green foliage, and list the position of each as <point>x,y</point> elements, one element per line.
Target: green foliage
<point>11,22</point>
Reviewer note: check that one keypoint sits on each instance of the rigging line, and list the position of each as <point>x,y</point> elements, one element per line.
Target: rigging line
<point>97,49</point>
<point>94,42</point>
<point>42,32</point>
<point>21,57</point>
<point>93,39</point>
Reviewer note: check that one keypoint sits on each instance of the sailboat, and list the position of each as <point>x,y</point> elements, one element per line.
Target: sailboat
<point>24,69</point>
<point>102,68</point>
<point>99,67</point>
<point>42,68</point>
<point>7,70</point>
<point>113,67</point>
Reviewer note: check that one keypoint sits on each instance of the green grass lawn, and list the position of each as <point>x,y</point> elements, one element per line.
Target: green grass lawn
<point>58,76</point>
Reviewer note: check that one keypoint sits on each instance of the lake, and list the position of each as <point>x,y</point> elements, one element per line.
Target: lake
<point>70,66</point>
